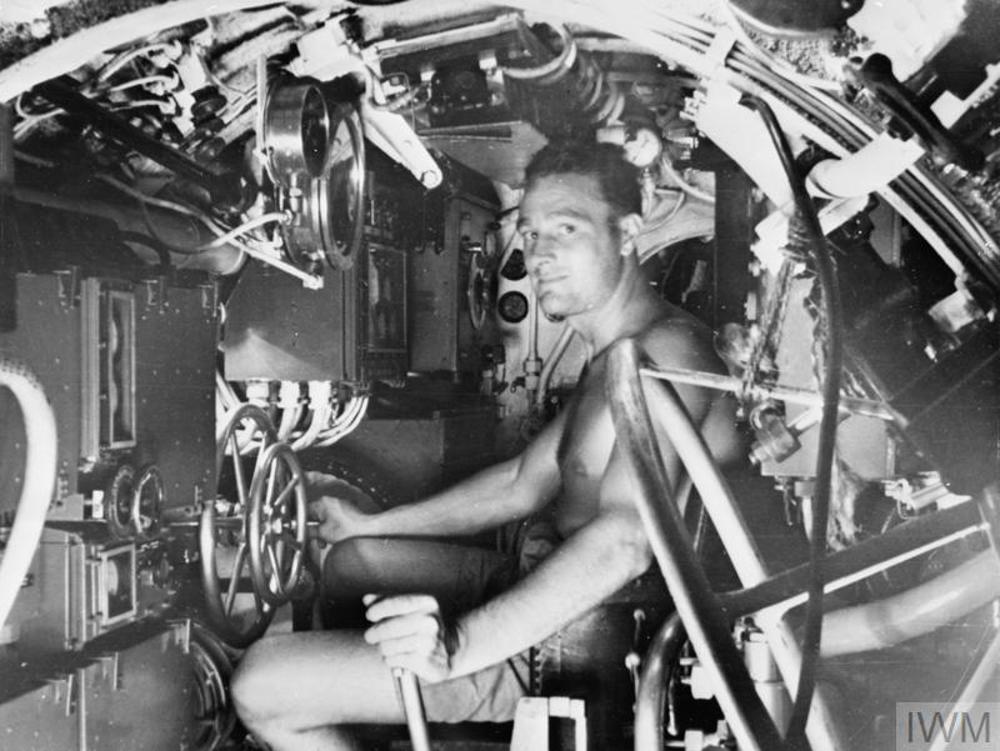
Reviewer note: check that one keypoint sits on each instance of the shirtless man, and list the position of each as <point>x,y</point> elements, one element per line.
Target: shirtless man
<point>578,218</point>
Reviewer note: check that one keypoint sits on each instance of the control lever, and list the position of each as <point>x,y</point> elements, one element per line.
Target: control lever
<point>876,74</point>
<point>413,708</point>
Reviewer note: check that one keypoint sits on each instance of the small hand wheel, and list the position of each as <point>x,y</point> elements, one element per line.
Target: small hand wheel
<point>223,529</point>
<point>147,502</point>
<point>118,502</point>
<point>276,523</point>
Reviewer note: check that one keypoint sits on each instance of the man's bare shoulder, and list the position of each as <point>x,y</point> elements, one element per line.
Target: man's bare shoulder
<point>679,340</point>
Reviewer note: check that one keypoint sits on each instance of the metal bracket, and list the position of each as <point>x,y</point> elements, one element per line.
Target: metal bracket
<point>110,670</point>
<point>156,293</point>
<point>64,692</point>
<point>210,300</point>
<point>69,287</point>
<point>531,722</point>
<point>180,631</point>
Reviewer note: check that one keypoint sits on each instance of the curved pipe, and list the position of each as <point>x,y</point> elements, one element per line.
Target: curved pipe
<point>39,479</point>
<point>735,535</point>
<point>649,703</point>
<point>697,604</point>
<point>913,613</point>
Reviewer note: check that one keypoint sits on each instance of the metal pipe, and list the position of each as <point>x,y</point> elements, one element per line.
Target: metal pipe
<point>41,455</point>
<point>759,392</point>
<point>917,611</point>
<point>747,560</point>
<point>651,697</point>
<point>413,708</point>
<point>876,554</point>
<point>697,604</point>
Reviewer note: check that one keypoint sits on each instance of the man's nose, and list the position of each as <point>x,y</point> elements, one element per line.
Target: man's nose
<point>538,252</point>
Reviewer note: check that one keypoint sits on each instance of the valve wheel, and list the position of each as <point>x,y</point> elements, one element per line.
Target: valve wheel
<point>276,523</point>
<point>222,527</point>
<point>118,502</point>
<point>147,502</point>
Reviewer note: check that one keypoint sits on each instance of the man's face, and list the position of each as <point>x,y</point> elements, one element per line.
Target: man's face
<point>570,251</point>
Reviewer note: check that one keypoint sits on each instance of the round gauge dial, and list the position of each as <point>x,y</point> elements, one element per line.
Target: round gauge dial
<point>512,307</point>
<point>643,148</point>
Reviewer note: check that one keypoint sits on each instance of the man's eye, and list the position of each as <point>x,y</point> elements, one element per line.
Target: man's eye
<point>529,234</point>
<point>566,229</point>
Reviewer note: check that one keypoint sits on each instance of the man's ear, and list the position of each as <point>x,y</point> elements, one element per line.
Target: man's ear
<point>629,226</point>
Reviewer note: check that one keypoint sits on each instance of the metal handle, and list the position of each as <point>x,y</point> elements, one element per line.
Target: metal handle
<point>413,708</point>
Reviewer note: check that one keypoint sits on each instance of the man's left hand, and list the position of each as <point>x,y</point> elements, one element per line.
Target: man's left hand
<point>411,633</point>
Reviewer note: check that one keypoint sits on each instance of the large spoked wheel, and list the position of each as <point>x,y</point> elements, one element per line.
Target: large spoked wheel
<point>276,524</point>
<point>223,535</point>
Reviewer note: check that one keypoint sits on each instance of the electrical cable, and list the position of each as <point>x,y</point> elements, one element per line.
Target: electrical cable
<point>226,238</point>
<point>682,184</point>
<point>120,61</point>
<point>152,243</point>
<point>832,322</point>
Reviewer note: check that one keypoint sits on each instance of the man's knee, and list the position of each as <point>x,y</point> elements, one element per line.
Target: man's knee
<point>251,688</point>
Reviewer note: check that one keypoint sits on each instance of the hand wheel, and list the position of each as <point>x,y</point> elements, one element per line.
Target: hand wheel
<point>222,528</point>
<point>276,523</point>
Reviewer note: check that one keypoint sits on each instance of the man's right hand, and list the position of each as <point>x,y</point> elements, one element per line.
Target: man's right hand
<point>338,519</point>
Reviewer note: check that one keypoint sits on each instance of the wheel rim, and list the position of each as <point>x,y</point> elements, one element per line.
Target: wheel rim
<point>225,527</point>
<point>276,524</point>
<point>148,502</point>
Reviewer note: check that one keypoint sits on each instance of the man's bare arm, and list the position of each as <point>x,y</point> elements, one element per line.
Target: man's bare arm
<point>504,492</point>
<point>594,563</point>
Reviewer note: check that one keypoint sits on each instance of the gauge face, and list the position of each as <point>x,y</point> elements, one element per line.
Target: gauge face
<point>514,269</point>
<point>512,307</point>
<point>643,148</point>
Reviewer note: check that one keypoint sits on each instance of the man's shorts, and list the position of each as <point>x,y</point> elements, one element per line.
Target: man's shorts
<point>489,695</point>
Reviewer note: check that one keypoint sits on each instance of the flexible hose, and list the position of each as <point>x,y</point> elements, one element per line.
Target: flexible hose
<point>274,216</point>
<point>562,62</point>
<point>39,479</point>
<point>832,321</point>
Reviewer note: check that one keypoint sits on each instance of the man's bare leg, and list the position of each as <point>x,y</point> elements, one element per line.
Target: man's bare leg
<point>292,691</point>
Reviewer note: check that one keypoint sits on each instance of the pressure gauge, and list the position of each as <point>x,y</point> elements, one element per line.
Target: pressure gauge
<point>513,307</point>
<point>643,147</point>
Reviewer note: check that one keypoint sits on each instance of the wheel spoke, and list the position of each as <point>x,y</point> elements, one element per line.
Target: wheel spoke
<point>272,478</point>
<point>283,498</point>
<point>234,581</point>
<point>275,571</point>
<point>241,482</point>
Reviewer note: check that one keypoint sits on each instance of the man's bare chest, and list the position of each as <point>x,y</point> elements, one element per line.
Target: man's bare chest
<point>589,434</point>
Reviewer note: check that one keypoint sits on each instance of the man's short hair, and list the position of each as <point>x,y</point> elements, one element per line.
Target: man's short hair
<point>617,179</point>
